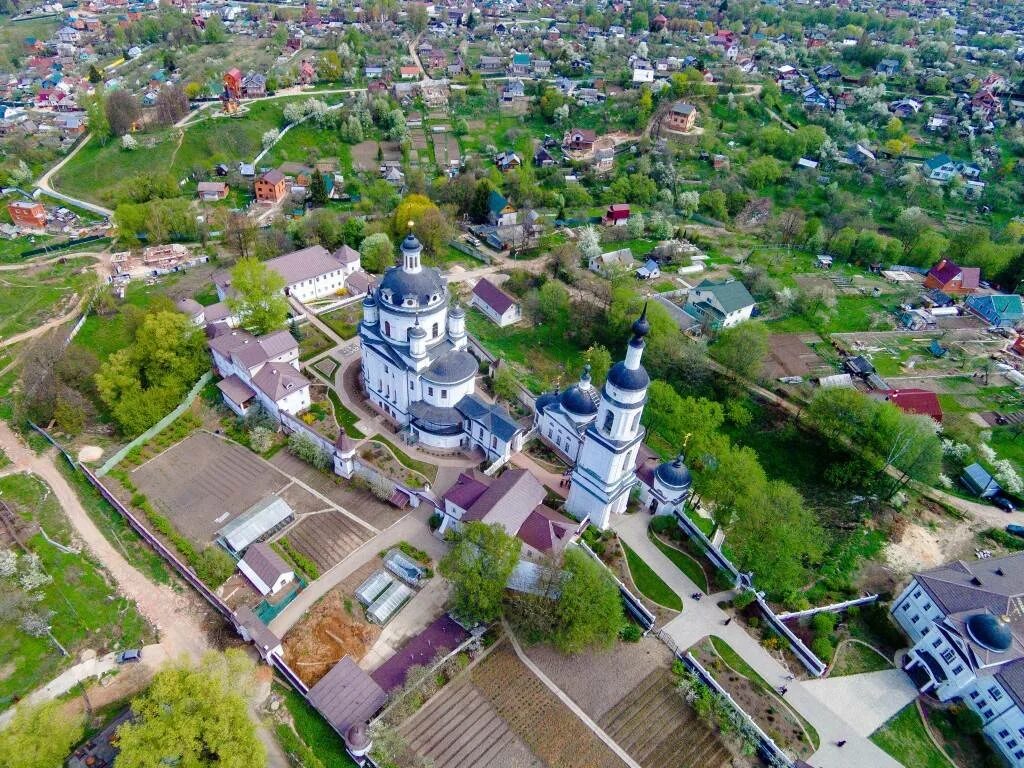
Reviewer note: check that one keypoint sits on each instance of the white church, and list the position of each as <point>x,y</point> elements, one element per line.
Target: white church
<point>416,368</point>
<point>600,435</point>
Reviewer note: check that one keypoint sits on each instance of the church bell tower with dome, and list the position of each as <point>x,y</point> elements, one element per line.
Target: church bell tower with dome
<point>604,473</point>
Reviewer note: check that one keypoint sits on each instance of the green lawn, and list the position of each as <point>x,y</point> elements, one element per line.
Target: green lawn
<point>344,321</point>
<point>683,562</point>
<point>854,658</point>
<point>107,334</point>
<point>27,301</point>
<point>649,583</point>
<point>314,730</point>
<point>85,611</point>
<point>905,739</point>
<point>207,295</point>
<point>424,468</point>
<point>344,416</point>
<point>543,353</point>
<point>314,341</point>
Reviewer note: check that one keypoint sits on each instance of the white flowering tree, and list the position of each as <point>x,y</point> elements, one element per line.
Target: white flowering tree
<point>270,138</point>
<point>128,142</point>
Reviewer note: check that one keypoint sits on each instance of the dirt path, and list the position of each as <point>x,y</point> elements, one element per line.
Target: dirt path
<point>415,56</point>
<point>174,616</point>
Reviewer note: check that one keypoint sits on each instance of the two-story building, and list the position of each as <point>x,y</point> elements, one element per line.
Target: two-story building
<point>308,274</point>
<point>264,369</point>
<point>719,304</point>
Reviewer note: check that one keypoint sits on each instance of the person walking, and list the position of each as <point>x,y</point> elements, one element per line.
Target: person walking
<point>841,742</point>
<point>728,621</point>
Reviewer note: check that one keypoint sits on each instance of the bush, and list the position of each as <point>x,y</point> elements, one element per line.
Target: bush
<point>824,623</point>
<point>435,521</point>
<point>214,566</point>
<point>966,720</point>
<point>630,633</point>
<point>1004,539</point>
<point>743,599</point>
<point>661,524</point>
<point>822,648</point>
<point>301,562</point>
<point>304,447</point>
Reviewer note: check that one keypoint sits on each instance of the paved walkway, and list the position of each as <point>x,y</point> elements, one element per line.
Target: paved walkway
<point>702,618</point>
<point>411,528</point>
<point>44,183</point>
<point>550,479</point>
<point>868,700</point>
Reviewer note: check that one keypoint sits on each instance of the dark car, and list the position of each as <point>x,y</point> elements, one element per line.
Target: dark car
<point>129,656</point>
<point>1016,530</point>
<point>1003,503</point>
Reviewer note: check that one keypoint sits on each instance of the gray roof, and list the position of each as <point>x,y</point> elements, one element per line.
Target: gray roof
<point>435,415</point>
<point>260,633</point>
<point>995,583</point>
<point>456,366</point>
<point>266,563</point>
<point>190,307</point>
<point>277,381</point>
<point>494,417</point>
<point>261,517</point>
<point>236,390</point>
<point>515,494</point>
<point>732,294</point>
<point>423,284</point>
<point>346,255</point>
<point>347,696</point>
<point>305,264</point>
<point>248,350</point>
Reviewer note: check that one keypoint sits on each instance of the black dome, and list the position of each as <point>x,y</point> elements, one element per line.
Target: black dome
<point>423,284</point>
<point>641,326</point>
<point>451,368</point>
<point>579,401</point>
<point>546,400</point>
<point>626,378</point>
<point>674,474</point>
<point>989,632</point>
<point>411,243</point>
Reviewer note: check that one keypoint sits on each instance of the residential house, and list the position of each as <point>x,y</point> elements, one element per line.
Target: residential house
<point>513,92</point>
<point>515,501</point>
<point>507,160</point>
<point>500,213</point>
<point>497,305</point>
<point>617,215</point>
<point>520,65</point>
<point>264,369</point>
<point>997,309</point>
<point>649,271</point>
<point>966,623</point>
<point>579,140</point>
<point>409,73</point>
<point>888,67</point>
<point>682,117</point>
<point>490,64</point>
<point>210,191</point>
<point>719,304</point>
<point>254,86</point>
<point>613,262</point>
<point>271,187</point>
<point>28,214</point>
<point>542,158</point>
<point>940,168</point>
<point>949,278</point>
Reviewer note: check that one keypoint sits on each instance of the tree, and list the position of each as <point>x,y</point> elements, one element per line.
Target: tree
<point>479,206</point>
<point>95,76</point>
<point>122,110</point>
<point>478,565</point>
<point>139,384</point>
<point>589,610</point>
<point>742,348</point>
<point>194,716</point>
<point>431,227</point>
<point>171,105</point>
<point>215,31</point>
<point>39,736</point>
<point>506,384</point>
<point>776,514</point>
<point>96,114</point>
<point>260,303</point>
<point>675,418</point>
<point>600,361</point>
<point>553,302</point>
<point>318,188</point>
<point>376,252</point>
<point>763,172</point>
<point>713,203</point>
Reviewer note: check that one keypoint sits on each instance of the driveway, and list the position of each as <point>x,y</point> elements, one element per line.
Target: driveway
<point>702,618</point>
<point>868,700</point>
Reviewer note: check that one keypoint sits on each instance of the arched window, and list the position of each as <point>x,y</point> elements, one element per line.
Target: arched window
<point>435,331</point>
<point>609,420</point>
<point>387,327</point>
<point>636,421</point>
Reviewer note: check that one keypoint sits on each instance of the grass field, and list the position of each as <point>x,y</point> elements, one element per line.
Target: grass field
<point>315,732</point>
<point>85,611</point>
<point>683,562</point>
<point>344,321</point>
<point>30,298</point>
<point>854,658</point>
<point>905,739</point>
<point>649,583</point>
<point>344,416</point>
<point>543,353</point>
<point>107,334</point>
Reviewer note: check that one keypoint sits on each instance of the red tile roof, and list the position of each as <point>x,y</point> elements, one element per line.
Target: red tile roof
<point>919,401</point>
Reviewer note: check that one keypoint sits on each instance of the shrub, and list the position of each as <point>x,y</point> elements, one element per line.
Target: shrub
<point>966,720</point>
<point>301,562</point>
<point>822,648</point>
<point>304,447</point>
<point>435,521</point>
<point>824,623</point>
<point>630,633</point>
<point>214,566</point>
<point>724,579</point>
<point>743,599</point>
<point>663,523</point>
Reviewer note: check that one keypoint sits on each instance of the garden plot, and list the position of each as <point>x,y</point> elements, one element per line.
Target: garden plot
<point>327,538</point>
<point>906,353</point>
<point>364,154</point>
<point>203,482</point>
<point>790,354</point>
<point>459,727</point>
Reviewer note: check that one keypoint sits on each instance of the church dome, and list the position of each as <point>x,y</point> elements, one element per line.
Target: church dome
<point>426,286</point>
<point>546,400</point>
<point>989,632</point>
<point>634,379</point>
<point>451,368</point>
<point>674,474</point>
<point>579,401</point>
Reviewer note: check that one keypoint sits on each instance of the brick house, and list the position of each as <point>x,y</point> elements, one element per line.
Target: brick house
<point>682,117</point>
<point>271,187</point>
<point>27,214</point>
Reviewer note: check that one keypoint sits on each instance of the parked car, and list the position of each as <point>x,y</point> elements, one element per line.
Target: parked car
<point>472,241</point>
<point>1003,503</point>
<point>1016,530</point>
<point>130,656</point>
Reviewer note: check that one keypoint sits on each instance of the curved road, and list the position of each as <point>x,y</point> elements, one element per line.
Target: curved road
<point>44,183</point>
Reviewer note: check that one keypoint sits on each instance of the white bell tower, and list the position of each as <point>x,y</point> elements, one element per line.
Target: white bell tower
<point>605,467</point>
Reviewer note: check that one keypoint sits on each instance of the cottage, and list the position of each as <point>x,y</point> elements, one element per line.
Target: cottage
<point>617,215</point>
<point>579,140</point>
<point>309,273</point>
<point>682,117</point>
<point>497,305</point>
<point>210,191</point>
<point>998,310</point>
<point>500,213</point>
<point>27,214</point>
<point>719,304</point>
<point>521,64</point>
<point>888,67</point>
<point>271,187</point>
<point>649,270</point>
<point>265,569</point>
<point>612,262</point>
<point>939,168</point>
<point>507,160</point>
<point>950,278</point>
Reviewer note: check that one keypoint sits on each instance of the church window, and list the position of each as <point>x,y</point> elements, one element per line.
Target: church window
<point>609,420</point>
<point>444,394</point>
<point>430,391</point>
<point>435,330</point>
<point>494,442</point>
<point>387,327</point>
<point>412,385</point>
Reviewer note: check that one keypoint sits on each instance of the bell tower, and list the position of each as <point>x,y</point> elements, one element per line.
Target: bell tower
<point>605,467</point>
